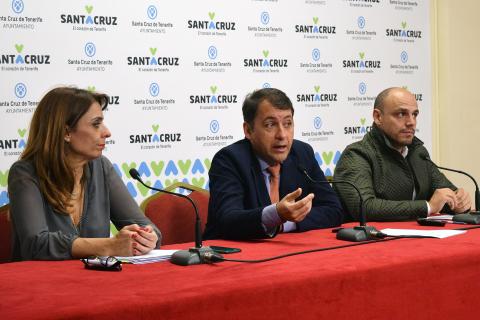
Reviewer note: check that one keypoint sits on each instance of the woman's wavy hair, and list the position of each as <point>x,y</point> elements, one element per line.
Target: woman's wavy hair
<point>59,109</point>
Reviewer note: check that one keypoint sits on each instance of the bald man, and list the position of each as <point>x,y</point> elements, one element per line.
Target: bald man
<point>388,166</point>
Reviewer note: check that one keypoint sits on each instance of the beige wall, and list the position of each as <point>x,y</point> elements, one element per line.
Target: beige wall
<point>456,107</point>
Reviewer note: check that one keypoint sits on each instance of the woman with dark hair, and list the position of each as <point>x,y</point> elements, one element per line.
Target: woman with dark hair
<point>63,192</point>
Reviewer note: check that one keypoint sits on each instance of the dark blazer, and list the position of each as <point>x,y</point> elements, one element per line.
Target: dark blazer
<point>238,193</point>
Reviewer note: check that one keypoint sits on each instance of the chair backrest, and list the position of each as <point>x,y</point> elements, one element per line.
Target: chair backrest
<point>5,234</point>
<point>174,216</point>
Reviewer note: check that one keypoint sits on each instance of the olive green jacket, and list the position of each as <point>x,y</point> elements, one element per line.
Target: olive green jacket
<point>386,179</point>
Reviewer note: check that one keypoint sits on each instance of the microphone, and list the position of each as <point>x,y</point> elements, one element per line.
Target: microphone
<point>473,217</point>
<point>358,233</point>
<point>191,256</point>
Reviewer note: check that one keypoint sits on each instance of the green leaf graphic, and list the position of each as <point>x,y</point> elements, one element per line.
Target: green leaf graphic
<point>3,178</point>
<point>22,132</point>
<point>213,89</point>
<point>317,89</point>
<point>207,163</point>
<point>89,9</point>
<point>198,182</point>
<point>315,20</point>
<point>184,166</point>
<point>143,190</point>
<point>19,48</point>
<point>91,88</point>
<point>404,24</point>
<point>211,15</point>
<point>169,182</point>
<point>157,167</point>
<point>362,121</point>
<point>362,55</point>
<point>155,127</point>
<point>265,53</point>
<point>126,167</point>
<point>153,51</point>
<point>327,157</point>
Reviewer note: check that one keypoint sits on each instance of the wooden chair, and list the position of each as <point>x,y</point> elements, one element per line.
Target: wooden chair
<point>174,216</point>
<point>5,234</point>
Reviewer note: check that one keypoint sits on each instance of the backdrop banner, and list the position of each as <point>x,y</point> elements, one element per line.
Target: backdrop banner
<point>177,73</point>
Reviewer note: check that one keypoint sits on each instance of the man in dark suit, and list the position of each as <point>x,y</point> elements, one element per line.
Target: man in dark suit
<point>257,185</point>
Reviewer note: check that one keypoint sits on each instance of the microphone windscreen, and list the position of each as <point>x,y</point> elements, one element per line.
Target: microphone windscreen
<point>134,174</point>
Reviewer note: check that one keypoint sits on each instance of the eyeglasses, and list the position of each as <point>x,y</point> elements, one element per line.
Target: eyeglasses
<point>102,263</point>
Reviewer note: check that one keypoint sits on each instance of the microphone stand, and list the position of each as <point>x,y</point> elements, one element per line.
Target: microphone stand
<point>472,217</point>
<point>195,255</point>
<point>358,233</point>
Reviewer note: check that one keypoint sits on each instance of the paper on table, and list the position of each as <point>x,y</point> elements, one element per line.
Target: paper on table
<point>152,256</point>
<point>440,217</point>
<point>431,233</point>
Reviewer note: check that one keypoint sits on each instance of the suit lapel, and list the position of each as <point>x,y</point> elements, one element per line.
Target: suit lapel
<point>288,181</point>
<point>259,182</point>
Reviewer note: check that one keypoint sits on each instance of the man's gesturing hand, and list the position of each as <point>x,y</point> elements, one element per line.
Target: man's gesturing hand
<point>291,210</point>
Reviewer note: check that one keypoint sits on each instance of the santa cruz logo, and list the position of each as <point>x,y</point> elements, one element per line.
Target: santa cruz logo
<point>12,146</point>
<point>403,32</point>
<point>21,58</point>
<point>112,99</point>
<point>154,89</point>
<point>214,126</point>
<point>153,60</point>
<point>152,12</point>
<point>151,140</point>
<point>211,24</point>
<point>317,133</point>
<point>362,88</point>
<point>317,96</point>
<point>18,6</point>
<point>212,52</point>
<point>263,28</point>
<point>88,18</point>
<point>19,101</point>
<point>360,97</point>
<point>264,18</point>
<point>215,137</point>
<point>315,28</point>
<point>418,96</point>
<point>213,98</point>
<point>17,20</point>
<point>154,99</point>
<point>405,67</point>
<point>362,63</point>
<point>265,62</point>
<point>361,22</point>
<point>20,90</point>
<point>90,49</point>
<point>360,129</point>
<point>361,32</point>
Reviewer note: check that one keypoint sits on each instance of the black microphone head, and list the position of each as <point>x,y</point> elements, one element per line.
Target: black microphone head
<point>134,174</point>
